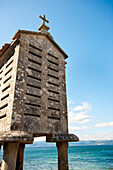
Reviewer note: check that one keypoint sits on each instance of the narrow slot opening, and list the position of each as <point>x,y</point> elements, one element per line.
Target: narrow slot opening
<point>7,79</point>
<point>10,55</point>
<point>27,114</point>
<point>35,47</point>
<point>1,65</point>
<point>33,95</point>
<point>0,78</point>
<point>1,72</point>
<point>31,104</point>
<point>5,97</point>
<point>36,78</point>
<point>53,62</point>
<point>8,71</point>
<point>52,108</point>
<point>53,69</point>
<point>51,117</point>
<point>3,116</point>
<point>54,84</point>
<point>54,100</point>
<point>33,61</point>
<point>4,106</point>
<point>53,56</point>
<point>9,63</point>
<point>5,88</point>
<point>53,76</point>
<point>55,92</point>
<point>35,54</point>
<point>37,87</point>
<point>31,68</point>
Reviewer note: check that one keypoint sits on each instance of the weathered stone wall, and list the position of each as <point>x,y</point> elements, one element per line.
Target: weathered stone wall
<point>8,71</point>
<point>40,95</point>
<point>32,87</point>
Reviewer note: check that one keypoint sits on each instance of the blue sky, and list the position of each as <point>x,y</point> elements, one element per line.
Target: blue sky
<point>84,30</point>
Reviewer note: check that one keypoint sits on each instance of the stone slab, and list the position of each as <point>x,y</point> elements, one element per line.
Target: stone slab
<point>16,136</point>
<point>62,138</point>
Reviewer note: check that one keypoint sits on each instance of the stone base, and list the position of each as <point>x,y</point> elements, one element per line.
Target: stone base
<point>14,143</point>
<point>62,138</point>
<point>16,136</point>
<point>62,147</point>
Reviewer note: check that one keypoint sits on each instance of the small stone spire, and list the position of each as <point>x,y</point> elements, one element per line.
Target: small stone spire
<point>43,26</point>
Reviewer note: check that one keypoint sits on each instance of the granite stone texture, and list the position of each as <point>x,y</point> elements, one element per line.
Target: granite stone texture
<point>32,85</point>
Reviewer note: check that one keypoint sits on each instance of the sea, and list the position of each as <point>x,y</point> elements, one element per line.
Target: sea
<point>80,158</point>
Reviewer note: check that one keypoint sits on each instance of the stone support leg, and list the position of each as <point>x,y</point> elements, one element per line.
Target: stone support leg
<point>62,155</point>
<point>9,156</point>
<point>20,157</point>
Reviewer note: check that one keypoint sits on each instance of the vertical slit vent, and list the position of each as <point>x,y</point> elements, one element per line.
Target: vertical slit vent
<point>8,71</point>
<point>5,97</point>
<point>53,56</point>
<point>37,87</point>
<point>53,69</point>
<point>36,78</point>
<point>53,62</point>
<point>9,63</point>
<point>1,72</point>
<point>55,92</point>
<point>35,54</point>
<point>31,68</point>
<point>53,76</point>
<point>7,79</point>
<point>35,47</point>
<point>51,108</point>
<point>51,117</point>
<point>54,84</point>
<point>54,100</point>
<point>5,88</point>
<point>3,116</point>
<point>31,104</point>
<point>28,114</point>
<point>33,95</point>
<point>33,61</point>
<point>4,106</point>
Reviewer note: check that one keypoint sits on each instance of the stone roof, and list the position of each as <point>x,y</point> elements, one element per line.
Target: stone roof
<point>17,35</point>
<point>46,34</point>
<point>3,49</point>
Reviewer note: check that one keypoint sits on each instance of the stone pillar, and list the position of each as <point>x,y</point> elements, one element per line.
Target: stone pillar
<point>10,155</point>
<point>62,146</point>
<point>20,157</point>
<point>62,155</point>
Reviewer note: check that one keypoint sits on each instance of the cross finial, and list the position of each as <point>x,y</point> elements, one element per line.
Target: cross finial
<point>44,19</point>
<point>43,26</point>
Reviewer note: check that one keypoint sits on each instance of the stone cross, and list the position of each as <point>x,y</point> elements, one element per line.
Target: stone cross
<point>44,19</point>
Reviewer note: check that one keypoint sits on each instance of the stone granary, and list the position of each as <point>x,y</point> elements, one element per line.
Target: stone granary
<point>33,96</point>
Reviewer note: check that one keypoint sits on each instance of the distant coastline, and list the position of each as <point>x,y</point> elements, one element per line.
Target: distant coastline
<point>80,143</point>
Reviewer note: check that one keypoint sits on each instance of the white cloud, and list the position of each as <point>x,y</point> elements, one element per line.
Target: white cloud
<point>104,124</point>
<point>80,117</point>
<point>70,102</point>
<point>75,128</point>
<point>95,136</point>
<point>84,121</point>
<point>84,106</point>
<point>39,139</point>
